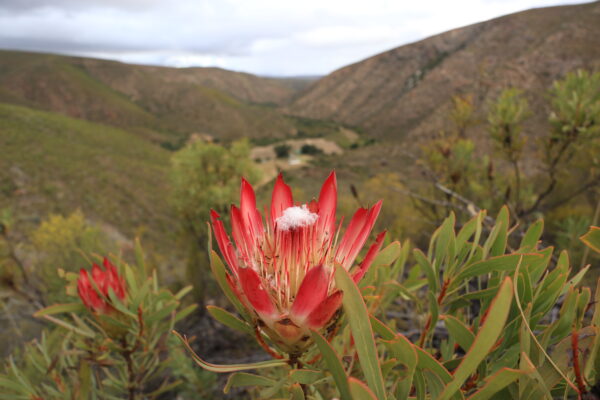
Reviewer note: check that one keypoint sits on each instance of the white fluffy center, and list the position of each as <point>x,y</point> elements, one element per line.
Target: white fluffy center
<point>296,217</point>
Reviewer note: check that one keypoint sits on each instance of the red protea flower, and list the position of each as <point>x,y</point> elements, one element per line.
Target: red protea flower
<point>96,299</point>
<point>282,270</point>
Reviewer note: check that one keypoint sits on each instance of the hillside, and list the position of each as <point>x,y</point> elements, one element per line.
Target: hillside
<point>161,104</point>
<point>407,91</point>
<point>56,164</point>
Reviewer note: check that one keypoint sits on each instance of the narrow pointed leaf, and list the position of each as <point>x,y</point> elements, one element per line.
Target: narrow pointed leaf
<point>334,365</point>
<point>358,317</point>
<point>507,263</point>
<point>496,382</point>
<point>229,368</point>
<point>459,331</point>
<point>532,236</point>
<point>404,351</point>
<point>359,390</point>
<point>242,379</point>
<point>297,392</point>
<point>388,255</point>
<point>230,320</point>
<point>305,376</point>
<point>592,238</point>
<point>60,309</point>
<point>484,341</point>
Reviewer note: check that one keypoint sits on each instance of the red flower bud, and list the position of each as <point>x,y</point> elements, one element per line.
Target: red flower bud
<point>96,299</point>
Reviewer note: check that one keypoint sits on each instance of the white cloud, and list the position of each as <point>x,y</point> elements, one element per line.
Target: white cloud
<point>269,37</point>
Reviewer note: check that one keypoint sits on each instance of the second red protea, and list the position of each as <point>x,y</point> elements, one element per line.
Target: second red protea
<point>282,270</point>
<point>97,299</point>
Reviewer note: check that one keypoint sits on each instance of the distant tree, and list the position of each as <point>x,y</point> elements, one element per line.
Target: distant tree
<point>462,114</point>
<point>206,176</point>
<point>282,150</point>
<point>575,130</point>
<point>310,149</point>
<point>562,163</point>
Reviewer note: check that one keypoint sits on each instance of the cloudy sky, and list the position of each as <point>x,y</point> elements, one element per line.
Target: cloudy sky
<point>265,37</point>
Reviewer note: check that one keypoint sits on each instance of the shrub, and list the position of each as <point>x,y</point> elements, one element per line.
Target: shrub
<point>282,150</point>
<point>310,149</point>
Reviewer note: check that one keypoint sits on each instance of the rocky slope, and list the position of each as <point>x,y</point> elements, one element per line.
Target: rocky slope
<point>408,90</point>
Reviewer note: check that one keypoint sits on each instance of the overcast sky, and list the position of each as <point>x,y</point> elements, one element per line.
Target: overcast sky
<point>265,37</point>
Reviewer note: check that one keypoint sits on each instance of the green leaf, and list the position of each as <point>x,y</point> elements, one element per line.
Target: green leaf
<point>161,313</point>
<point>359,390</point>
<point>496,382</point>
<point>496,242</point>
<point>537,386</point>
<point>574,281</point>
<point>241,379</point>
<point>139,257</point>
<point>12,385</point>
<point>432,277</point>
<point>85,379</point>
<point>405,353</point>
<point>132,281</point>
<point>184,291</point>
<point>297,392</point>
<point>485,339</point>
<point>466,232</point>
<point>358,317</point>
<point>532,236</point>
<point>507,263</point>
<point>445,242</point>
<point>185,312</point>
<point>60,309</point>
<point>334,365</point>
<point>229,368</point>
<point>69,326</point>
<point>426,361</point>
<point>141,293</point>
<point>592,238</point>
<point>388,255</point>
<point>593,363</point>
<point>230,320</point>
<point>420,385</point>
<point>305,376</point>
<point>459,331</point>
<point>382,329</point>
<point>118,304</point>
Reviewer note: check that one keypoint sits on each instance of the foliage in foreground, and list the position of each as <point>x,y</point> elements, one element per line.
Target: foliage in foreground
<point>504,318</point>
<point>116,344</point>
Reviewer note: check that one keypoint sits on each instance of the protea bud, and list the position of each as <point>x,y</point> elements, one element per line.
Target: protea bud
<point>282,270</point>
<point>96,298</point>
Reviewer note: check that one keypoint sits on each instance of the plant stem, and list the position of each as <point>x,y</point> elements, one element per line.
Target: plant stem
<point>575,350</point>
<point>515,163</point>
<point>428,323</point>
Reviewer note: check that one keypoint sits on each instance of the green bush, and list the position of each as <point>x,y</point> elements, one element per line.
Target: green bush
<point>64,243</point>
<point>125,352</point>
<point>310,149</point>
<point>282,150</point>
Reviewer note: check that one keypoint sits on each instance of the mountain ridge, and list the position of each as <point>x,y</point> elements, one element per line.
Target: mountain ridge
<point>405,91</point>
<point>163,104</point>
